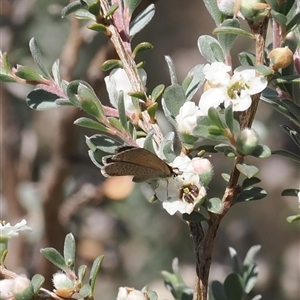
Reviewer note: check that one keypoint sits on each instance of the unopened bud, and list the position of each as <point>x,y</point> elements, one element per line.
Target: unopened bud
<point>254,10</point>
<point>63,285</point>
<point>204,169</point>
<point>247,141</point>
<point>280,57</point>
<point>226,7</point>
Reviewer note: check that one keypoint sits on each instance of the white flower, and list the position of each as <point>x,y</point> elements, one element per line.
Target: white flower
<point>7,231</point>
<point>184,192</point>
<point>9,287</point>
<point>187,117</point>
<point>236,90</point>
<point>118,81</point>
<point>126,293</point>
<point>217,73</point>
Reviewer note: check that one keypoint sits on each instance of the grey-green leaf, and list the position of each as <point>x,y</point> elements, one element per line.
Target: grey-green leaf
<point>54,257</point>
<point>95,270</point>
<point>37,57</point>
<point>37,282</point>
<point>211,49</point>
<point>248,170</point>
<point>70,251</point>
<point>39,99</point>
<point>141,20</point>
<point>234,287</point>
<point>174,98</point>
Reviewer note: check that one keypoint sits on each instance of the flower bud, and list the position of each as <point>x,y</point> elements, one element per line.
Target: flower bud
<point>204,169</point>
<point>247,141</point>
<point>19,287</point>
<point>126,293</point>
<point>226,7</point>
<point>63,285</point>
<point>254,10</point>
<point>280,57</point>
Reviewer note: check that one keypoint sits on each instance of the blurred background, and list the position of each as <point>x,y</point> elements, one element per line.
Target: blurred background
<point>48,178</point>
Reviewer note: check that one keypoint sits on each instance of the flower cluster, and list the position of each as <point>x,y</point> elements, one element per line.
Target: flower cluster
<point>185,192</point>
<point>221,88</point>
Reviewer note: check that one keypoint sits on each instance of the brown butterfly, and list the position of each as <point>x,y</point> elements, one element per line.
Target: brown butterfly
<point>140,163</point>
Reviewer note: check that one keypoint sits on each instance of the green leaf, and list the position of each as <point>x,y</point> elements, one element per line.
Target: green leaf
<point>28,74</point>
<point>234,260</point>
<point>111,64</point>
<point>141,20</point>
<point>287,154</point>
<point>250,278</point>
<point>234,287</point>
<point>295,21</point>
<point>166,147</point>
<point>249,182</point>
<point>172,70</point>
<point>56,73</point>
<point>250,256</point>
<point>4,77</point>
<point>86,292</point>
<point>54,257</point>
<point>95,270</point>
<point>261,151</point>
<point>131,5</point>
<point>83,14</point>
<point>250,271</point>
<point>248,170</point>
<point>157,92</point>
<point>226,149</point>
<point>110,11</point>
<point>279,18</point>
<point>72,7</point>
<point>292,133</point>
<point>98,27</point>
<point>228,37</point>
<point>121,110</point>
<point>218,290</point>
<point>70,251</point>
<point>232,31</point>
<point>26,294</point>
<point>215,117</point>
<point>95,8</point>
<point>290,192</point>
<point>5,67</point>
<point>214,205</point>
<point>210,49</point>
<point>246,59</point>
<point>88,101</point>
<point>39,99</point>
<point>291,219</point>
<point>89,123</point>
<point>82,272</point>
<point>174,98</point>
<point>226,177</point>
<point>142,47</point>
<point>264,70</point>
<point>250,194</point>
<point>37,282</point>
<point>101,142</point>
<point>213,9</point>
<point>197,79</point>
<point>116,123</point>
<point>292,107</point>
<point>37,57</point>
<point>229,118</point>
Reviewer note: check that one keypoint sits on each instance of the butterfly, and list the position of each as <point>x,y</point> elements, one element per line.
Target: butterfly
<point>140,163</point>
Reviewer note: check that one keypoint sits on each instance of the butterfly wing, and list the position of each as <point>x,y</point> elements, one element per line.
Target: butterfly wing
<point>137,162</point>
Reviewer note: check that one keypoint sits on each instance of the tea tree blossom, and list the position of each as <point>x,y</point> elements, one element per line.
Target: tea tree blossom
<point>118,81</point>
<point>126,293</point>
<point>187,117</point>
<point>185,192</point>
<point>236,89</point>
<point>7,231</point>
